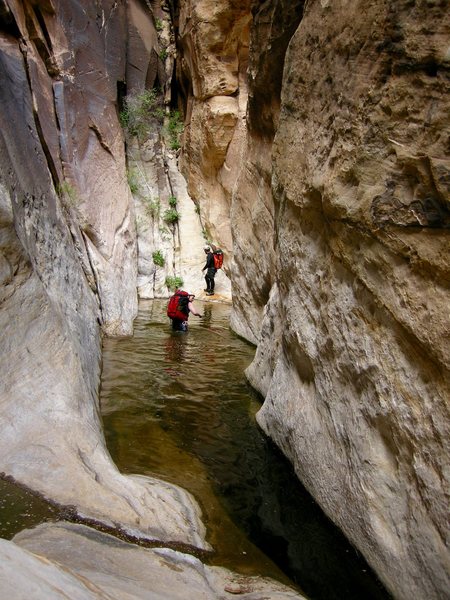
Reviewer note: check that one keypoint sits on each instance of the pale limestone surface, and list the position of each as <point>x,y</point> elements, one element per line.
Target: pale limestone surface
<point>25,576</point>
<point>156,174</point>
<point>68,265</point>
<point>153,181</point>
<point>189,250</point>
<point>120,570</point>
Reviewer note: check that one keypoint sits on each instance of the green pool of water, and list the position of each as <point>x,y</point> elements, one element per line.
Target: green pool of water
<point>177,406</point>
<point>22,509</point>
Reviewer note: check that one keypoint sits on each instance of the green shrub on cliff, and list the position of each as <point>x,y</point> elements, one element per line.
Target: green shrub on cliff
<point>139,111</point>
<point>158,258</point>
<point>174,282</point>
<point>171,215</point>
<point>175,128</point>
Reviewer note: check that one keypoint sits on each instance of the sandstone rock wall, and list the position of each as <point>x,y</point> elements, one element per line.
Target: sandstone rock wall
<point>68,260</point>
<point>213,47</point>
<point>169,251</point>
<point>68,63</point>
<point>316,151</point>
<point>166,250</point>
<point>253,209</point>
<point>353,351</point>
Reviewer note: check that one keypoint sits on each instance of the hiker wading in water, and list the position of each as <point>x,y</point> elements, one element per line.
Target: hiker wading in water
<point>178,310</point>
<point>210,271</point>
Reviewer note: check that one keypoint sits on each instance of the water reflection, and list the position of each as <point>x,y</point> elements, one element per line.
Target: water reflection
<point>177,406</point>
<point>175,352</point>
<point>207,314</point>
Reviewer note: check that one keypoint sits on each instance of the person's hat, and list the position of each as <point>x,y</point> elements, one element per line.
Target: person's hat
<point>206,247</point>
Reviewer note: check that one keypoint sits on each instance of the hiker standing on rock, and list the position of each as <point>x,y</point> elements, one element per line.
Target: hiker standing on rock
<point>210,271</point>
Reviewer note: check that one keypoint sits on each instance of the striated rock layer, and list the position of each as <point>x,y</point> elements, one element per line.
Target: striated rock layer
<point>68,260</point>
<point>343,225</point>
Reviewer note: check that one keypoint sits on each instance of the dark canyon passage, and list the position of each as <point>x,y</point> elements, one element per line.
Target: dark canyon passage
<point>177,406</point>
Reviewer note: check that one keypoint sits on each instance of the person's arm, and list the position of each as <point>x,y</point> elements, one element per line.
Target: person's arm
<point>193,310</point>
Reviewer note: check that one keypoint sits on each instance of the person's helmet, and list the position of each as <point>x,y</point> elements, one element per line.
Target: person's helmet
<point>206,248</point>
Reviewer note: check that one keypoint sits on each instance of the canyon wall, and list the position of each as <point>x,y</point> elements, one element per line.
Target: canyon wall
<point>68,276</point>
<point>315,150</point>
<point>339,213</point>
<point>68,265</point>
<point>211,77</point>
<point>169,231</point>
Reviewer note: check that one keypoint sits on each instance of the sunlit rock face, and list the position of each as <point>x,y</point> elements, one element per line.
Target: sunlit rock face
<point>180,244</point>
<point>166,249</point>
<point>213,40</point>
<point>350,305</point>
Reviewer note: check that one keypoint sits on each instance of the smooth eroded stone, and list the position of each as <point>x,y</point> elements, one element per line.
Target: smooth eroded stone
<point>122,570</point>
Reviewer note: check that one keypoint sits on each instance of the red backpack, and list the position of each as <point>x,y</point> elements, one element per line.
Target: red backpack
<point>178,305</point>
<point>218,258</point>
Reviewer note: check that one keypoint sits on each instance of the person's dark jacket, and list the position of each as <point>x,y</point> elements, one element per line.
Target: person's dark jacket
<point>209,266</point>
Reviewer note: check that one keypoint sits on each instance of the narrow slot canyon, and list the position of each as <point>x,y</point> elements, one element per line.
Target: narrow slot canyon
<point>294,441</point>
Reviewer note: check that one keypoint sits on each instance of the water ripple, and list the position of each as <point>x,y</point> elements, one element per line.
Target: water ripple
<point>177,406</point>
